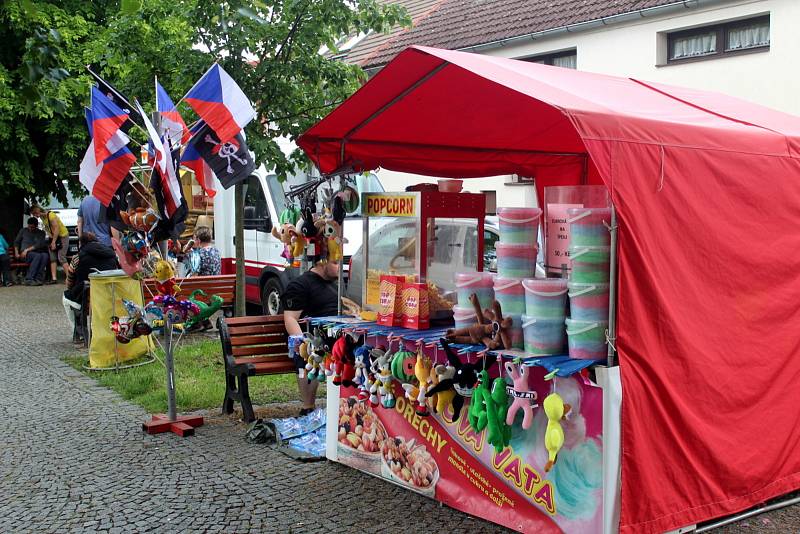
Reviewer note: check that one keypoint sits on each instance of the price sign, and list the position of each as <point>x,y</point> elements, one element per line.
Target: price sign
<point>557,231</point>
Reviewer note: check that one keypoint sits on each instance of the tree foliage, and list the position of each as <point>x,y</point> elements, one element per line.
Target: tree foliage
<point>271,48</point>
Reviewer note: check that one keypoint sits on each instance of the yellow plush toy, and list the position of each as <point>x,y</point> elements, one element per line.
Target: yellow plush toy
<point>555,410</point>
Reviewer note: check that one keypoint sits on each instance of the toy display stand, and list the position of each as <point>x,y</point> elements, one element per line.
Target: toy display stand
<point>182,425</point>
<point>510,487</point>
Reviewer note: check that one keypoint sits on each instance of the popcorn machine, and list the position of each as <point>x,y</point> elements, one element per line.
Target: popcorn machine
<point>402,237</point>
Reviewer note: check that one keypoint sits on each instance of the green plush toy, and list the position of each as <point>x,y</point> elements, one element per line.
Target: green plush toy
<point>498,433</point>
<point>477,405</point>
<point>206,310</point>
<point>289,216</point>
<point>403,366</point>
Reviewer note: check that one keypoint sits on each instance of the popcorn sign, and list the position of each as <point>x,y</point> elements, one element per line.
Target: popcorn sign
<point>391,206</point>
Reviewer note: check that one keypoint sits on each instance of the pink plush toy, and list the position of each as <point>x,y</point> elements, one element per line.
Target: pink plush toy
<point>523,396</point>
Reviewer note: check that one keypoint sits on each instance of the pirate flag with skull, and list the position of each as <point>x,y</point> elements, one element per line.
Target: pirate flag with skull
<point>231,161</point>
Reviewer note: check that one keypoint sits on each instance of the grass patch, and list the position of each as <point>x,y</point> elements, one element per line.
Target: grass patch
<point>199,380</point>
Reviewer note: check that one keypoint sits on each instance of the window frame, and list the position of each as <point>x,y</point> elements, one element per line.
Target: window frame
<point>722,29</point>
<point>548,58</point>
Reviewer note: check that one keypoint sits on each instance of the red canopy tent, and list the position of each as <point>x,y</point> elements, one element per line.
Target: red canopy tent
<point>708,203</point>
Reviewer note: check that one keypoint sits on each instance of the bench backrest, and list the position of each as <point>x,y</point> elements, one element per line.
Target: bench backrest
<point>223,285</point>
<point>259,337</point>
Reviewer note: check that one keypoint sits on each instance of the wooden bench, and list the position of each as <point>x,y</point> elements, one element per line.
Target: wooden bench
<point>19,267</point>
<point>251,346</point>
<point>223,285</point>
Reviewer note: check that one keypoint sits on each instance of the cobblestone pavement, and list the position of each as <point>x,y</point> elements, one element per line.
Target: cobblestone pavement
<point>73,458</point>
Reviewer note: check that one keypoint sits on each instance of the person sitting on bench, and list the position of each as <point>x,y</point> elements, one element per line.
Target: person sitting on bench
<point>31,246</point>
<point>5,261</point>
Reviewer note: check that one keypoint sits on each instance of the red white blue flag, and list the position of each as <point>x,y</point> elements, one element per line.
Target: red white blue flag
<point>107,118</point>
<point>171,121</point>
<point>220,103</point>
<point>104,178</point>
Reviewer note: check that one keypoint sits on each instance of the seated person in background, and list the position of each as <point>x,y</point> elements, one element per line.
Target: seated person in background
<point>5,261</point>
<point>210,259</point>
<point>31,246</point>
<point>92,256</point>
<point>313,294</point>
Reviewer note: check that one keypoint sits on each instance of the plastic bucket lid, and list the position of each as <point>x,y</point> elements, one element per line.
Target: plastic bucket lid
<point>470,279</point>
<point>581,327</point>
<point>545,287</point>
<point>461,313</point>
<point>501,283</point>
<point>576,289</point>
<point>588,215</point>
<point>518,215</point>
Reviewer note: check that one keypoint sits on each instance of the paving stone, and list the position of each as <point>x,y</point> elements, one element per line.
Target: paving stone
<point>75,459</point>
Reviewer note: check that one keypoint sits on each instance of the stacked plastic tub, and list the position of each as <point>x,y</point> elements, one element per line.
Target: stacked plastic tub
<point>482,284</point>
<point>516,260</point>
<point>545,311</point>
<point>589,252</point>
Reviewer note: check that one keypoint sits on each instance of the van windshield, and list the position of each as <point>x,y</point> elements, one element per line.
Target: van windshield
<point>52,203</point>
<point>277,193</point>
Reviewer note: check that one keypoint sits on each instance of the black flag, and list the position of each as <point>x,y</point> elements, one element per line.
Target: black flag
<point>231,161</point>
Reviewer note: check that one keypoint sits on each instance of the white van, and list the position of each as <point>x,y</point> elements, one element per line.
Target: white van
<point>266,274</point>
<point>66,211</point>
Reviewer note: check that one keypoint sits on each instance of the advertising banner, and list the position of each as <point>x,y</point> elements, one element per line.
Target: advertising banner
<point>446,460</point>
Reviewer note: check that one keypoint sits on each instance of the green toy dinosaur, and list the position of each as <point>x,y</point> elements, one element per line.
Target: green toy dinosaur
<point>206,310</point>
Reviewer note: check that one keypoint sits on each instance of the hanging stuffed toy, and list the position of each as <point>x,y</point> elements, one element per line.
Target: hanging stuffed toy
<point>464,379</point>
<point>416,392</point>
<point>438,402</point>
<point>297,243</point>
<point>316,346</point>
<point>343,358</point>
<point>498,433</point>
<point>403,364</point>
<point>337,210</point>
<point>524,398</point>
<point>381,389</point>
<point>477,407</point>
<point>206,309</point>
<point>362,365</point>
<point>165,278</point>
<point>374,383</point>
<point>330,231</point>
<point>306,222</point>
<point>290,215</point>
<point>555,410</point>
<point>284,235</point>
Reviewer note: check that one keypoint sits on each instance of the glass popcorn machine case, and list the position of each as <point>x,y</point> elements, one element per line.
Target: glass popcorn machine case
<point>423,237</point>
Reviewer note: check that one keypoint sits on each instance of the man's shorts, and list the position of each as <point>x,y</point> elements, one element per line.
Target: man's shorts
<point>60,254</point>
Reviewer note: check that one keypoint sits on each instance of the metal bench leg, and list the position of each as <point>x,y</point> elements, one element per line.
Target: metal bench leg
<point>230,393</point>
<point>244,394</point>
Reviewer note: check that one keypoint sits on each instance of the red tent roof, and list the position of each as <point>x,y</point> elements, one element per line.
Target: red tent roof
<point>706,190</point>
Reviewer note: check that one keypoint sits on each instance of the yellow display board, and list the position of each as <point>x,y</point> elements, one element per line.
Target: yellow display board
<point>107,292</point>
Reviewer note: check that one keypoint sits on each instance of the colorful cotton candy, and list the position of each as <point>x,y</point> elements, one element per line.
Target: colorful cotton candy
<point>588,302</point>
<point>519,225</point>
<point>589,264</point>
<point>479,283</point>
<point>544,336</point>
<point>587,227</point>
<point>587,339</point>
<point>510,294</point>
<point>515,260</point>
<point>545,298</point>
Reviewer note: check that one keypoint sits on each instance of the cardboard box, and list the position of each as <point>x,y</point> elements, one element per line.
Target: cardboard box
<point>390,302</point>
<point>416,311</point>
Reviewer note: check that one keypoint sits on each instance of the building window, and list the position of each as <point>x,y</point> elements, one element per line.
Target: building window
<point>567,59</point>
<point>719,39</point>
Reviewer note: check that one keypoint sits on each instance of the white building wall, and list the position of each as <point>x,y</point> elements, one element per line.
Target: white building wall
<point>637,49</point>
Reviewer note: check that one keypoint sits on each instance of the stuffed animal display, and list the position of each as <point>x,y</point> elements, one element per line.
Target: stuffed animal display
<point>316,348</point>
<point>165,278</point>
<point>491,328</point>
<point>362,365</point>
<point>381,389</point>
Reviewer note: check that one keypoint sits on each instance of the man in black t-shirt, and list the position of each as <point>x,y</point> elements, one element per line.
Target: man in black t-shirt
<point>313,294</point>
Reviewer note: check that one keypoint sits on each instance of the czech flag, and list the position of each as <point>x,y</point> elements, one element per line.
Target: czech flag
<point>171,121</point>
<point>107,118</point>
<point>104,178</point>
<point>192,160</point>
<point>221,103</point>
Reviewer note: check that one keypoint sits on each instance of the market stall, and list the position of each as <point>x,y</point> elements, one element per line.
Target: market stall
<point>703,187</point>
